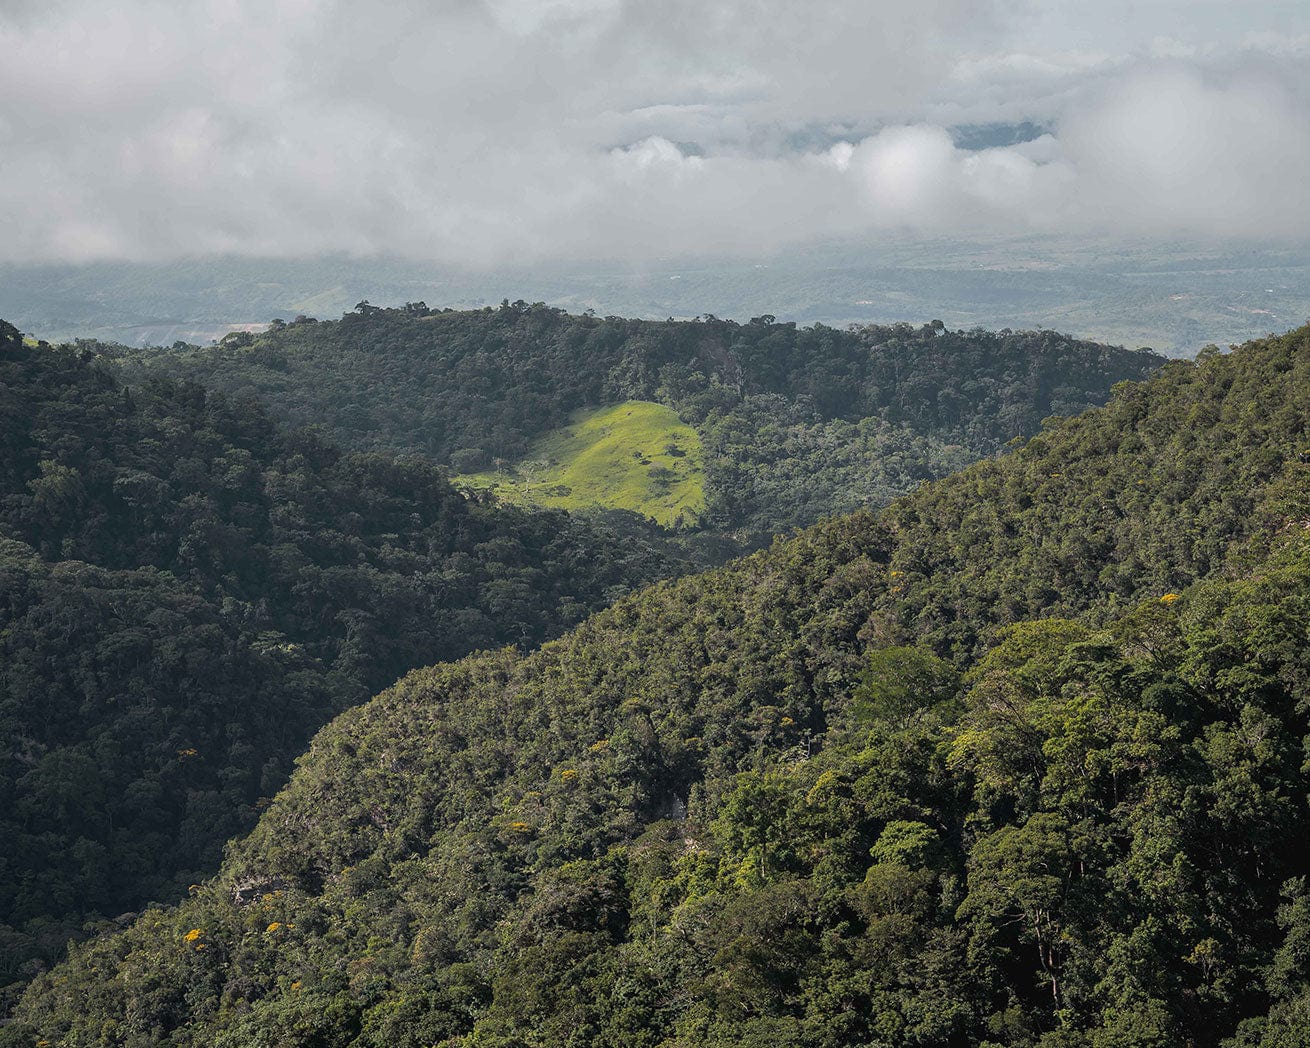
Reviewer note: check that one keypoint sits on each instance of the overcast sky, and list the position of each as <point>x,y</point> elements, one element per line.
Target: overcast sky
<point>496,131</point>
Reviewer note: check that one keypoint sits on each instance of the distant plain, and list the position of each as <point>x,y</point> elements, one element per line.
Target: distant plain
<point>1174,298</point>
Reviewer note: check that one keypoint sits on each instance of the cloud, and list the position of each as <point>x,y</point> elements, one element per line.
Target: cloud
<point>487,131</point>
<point>1173,150</point>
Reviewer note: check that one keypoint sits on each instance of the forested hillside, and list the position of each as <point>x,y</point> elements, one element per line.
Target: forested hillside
<point>797,423</point>
<point>1017,762</point>
<point>192,589</point>
<point>187,592</point>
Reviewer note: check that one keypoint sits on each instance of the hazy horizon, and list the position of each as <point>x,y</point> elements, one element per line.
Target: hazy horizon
<point>1175,298</point>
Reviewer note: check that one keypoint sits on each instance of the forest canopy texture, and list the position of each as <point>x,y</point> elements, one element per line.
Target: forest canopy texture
<point>797,423</point>
<point>188,589</point>
<point>1018,761</point>
<point>188,592</point>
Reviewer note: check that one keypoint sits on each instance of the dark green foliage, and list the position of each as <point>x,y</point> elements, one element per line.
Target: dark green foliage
<point>187,593</point>
<point>723,812</point>
<point>772,464</point>
<point>798,423</point>
<point>898,682</point>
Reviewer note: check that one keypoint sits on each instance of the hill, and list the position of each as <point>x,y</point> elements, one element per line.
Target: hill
<point>633,456</point>
<point>188,592</point>
<point>867,413</point>
<point>1018,761</point>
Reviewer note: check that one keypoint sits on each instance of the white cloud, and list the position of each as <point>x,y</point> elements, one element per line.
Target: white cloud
<point>486,131</point>
<point>1172,150</point>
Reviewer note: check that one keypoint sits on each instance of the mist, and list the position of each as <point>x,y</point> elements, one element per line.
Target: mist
<point>486,133</point>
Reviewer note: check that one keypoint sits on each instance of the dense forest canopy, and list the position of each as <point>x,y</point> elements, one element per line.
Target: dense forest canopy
<point>191,589</point>
<point>797,422</point>
<point>1019,761</point>
<point>187,592</point>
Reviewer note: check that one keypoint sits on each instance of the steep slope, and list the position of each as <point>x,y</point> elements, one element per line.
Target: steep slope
<point>188,593</point>
<point>758,806</point>
<point>466,387</point>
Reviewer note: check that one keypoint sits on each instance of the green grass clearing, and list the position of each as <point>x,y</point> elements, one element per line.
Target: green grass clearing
<point>636,456</point>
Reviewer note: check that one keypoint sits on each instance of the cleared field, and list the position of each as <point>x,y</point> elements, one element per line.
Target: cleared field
<point>636,456</point>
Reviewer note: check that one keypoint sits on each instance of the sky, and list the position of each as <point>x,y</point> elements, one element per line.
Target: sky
<point>494,132</point>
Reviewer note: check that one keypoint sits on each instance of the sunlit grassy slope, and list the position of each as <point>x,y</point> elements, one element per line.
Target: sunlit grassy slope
<point>637,456</point>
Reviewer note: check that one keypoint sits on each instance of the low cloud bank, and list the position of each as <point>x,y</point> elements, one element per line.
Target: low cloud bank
<point>489,132</point>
